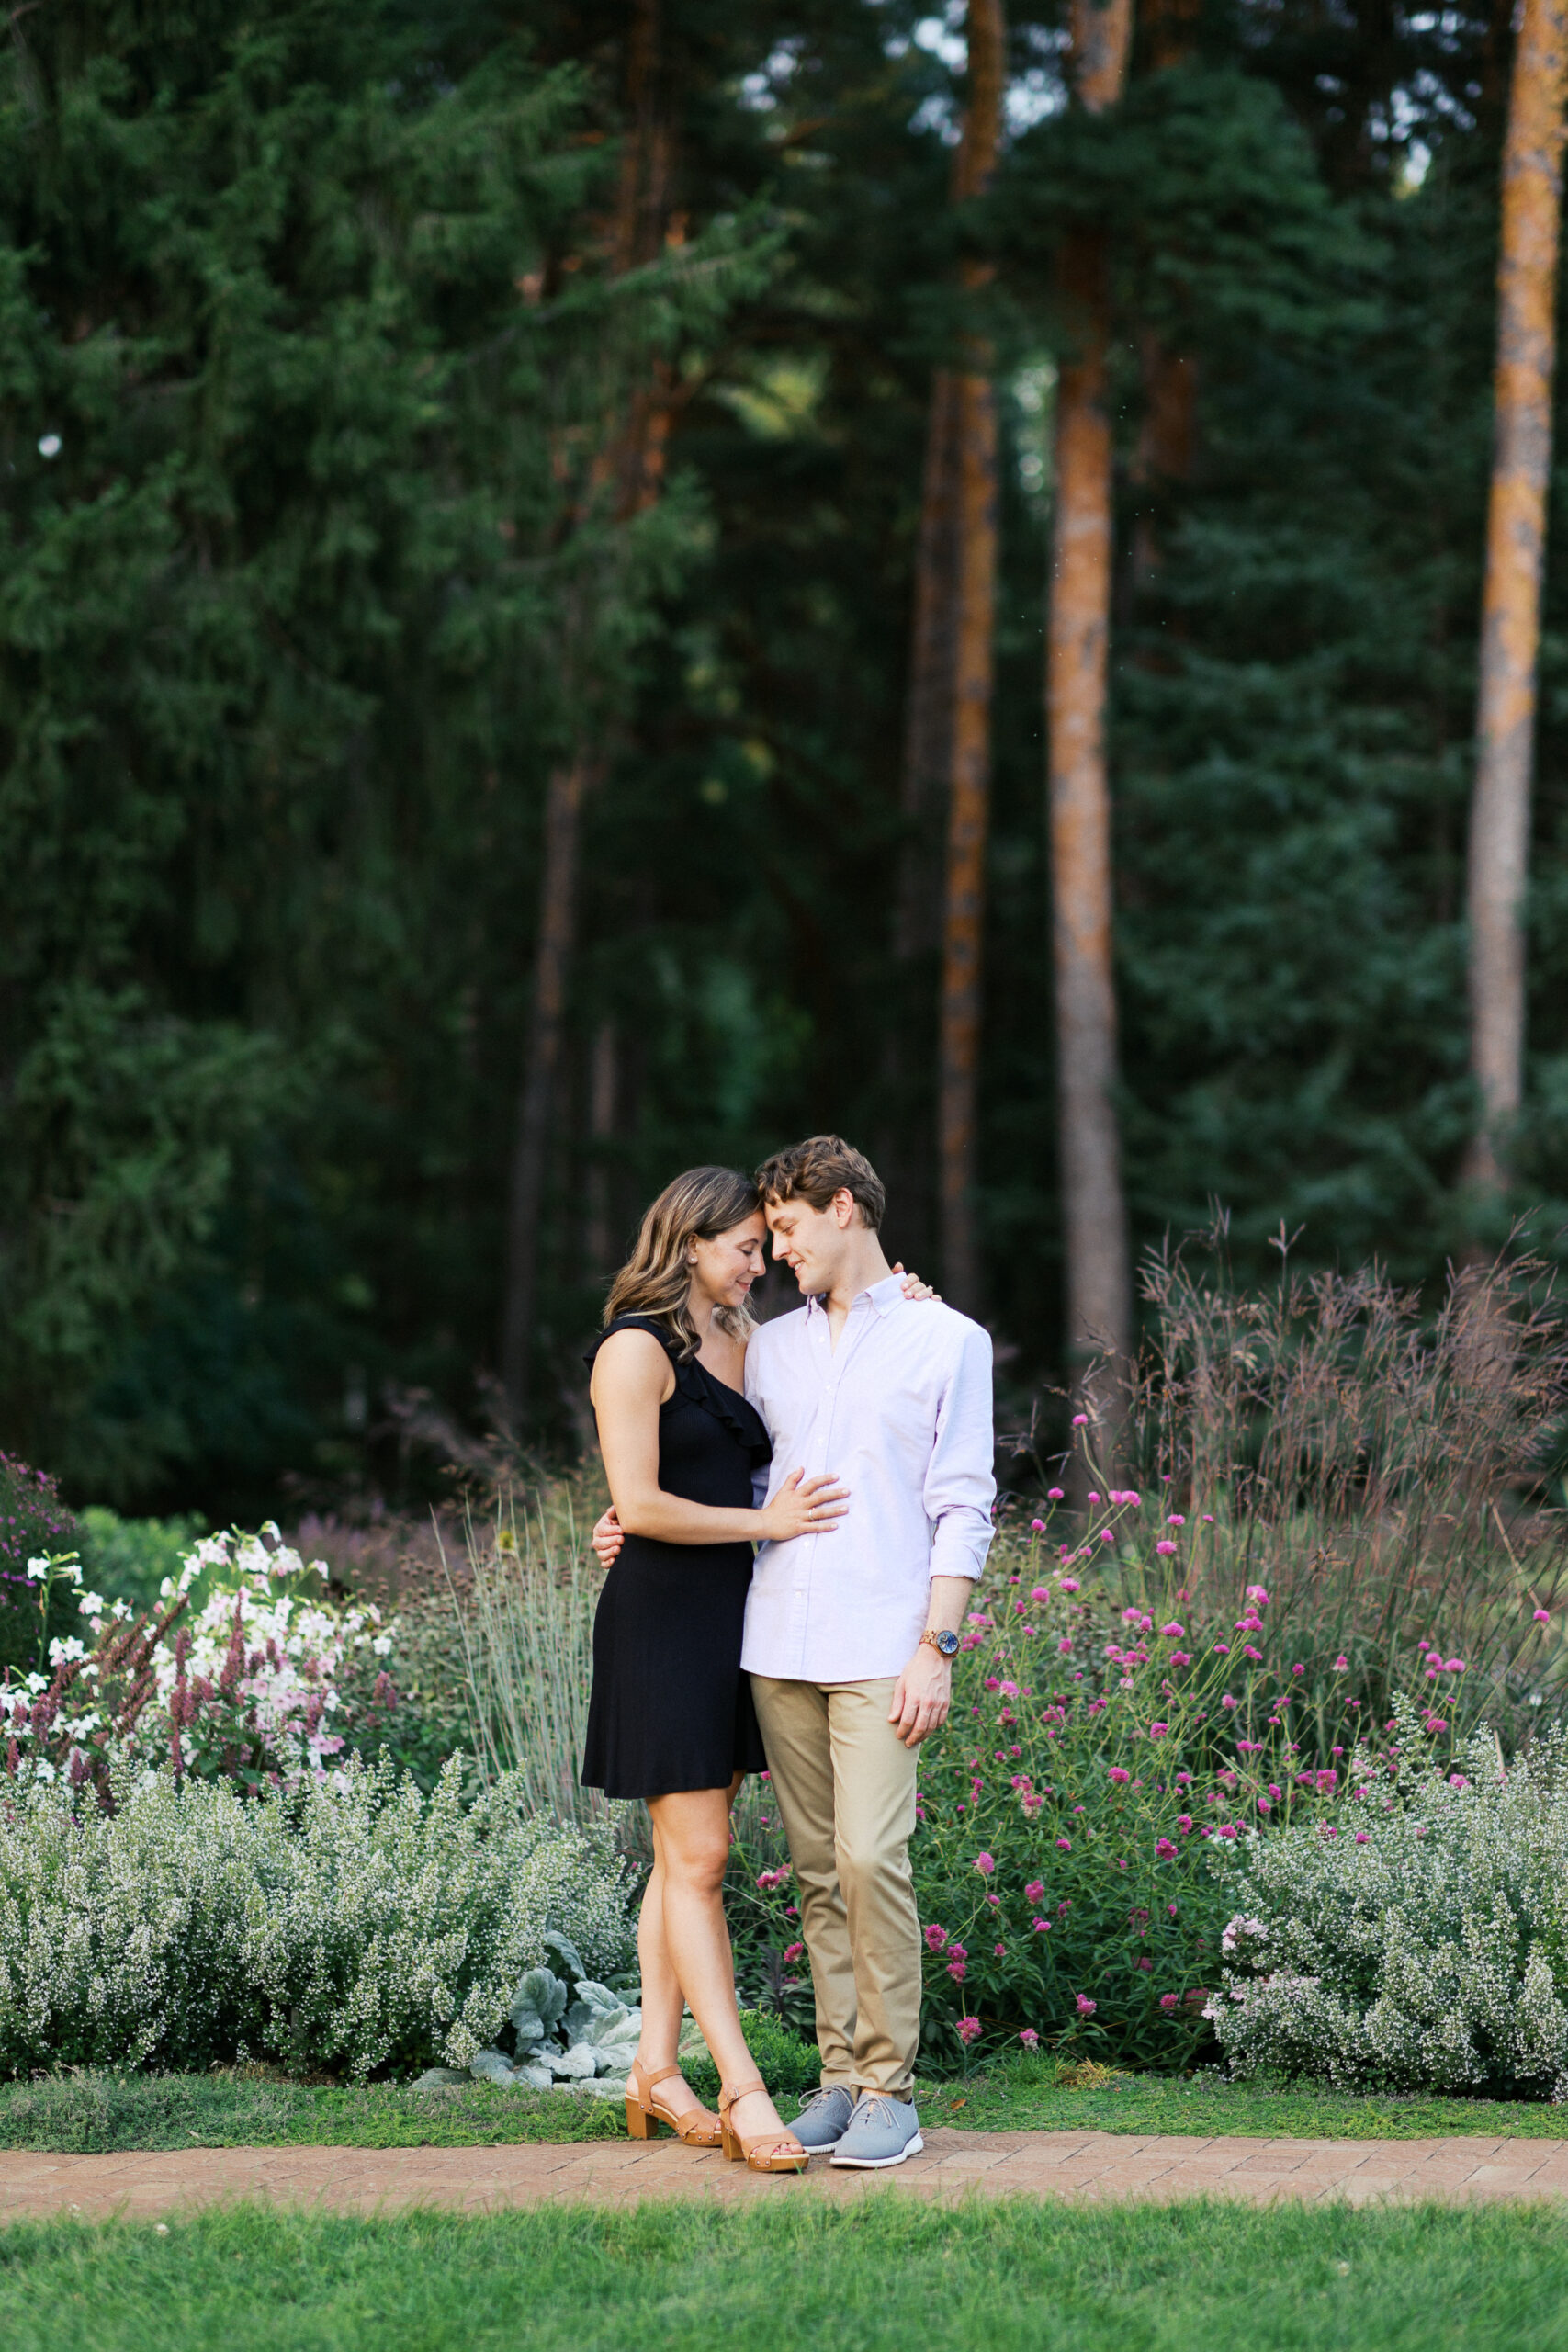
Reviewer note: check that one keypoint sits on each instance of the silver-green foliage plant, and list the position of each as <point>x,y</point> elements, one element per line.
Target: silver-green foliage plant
<point>1417,1936</point>
<point>568,2029</point>
<point>358,1930</point>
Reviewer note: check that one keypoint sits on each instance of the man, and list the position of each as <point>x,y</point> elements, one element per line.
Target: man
<point>849,1635</point>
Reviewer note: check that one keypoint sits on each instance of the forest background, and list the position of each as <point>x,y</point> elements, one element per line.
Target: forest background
<point>462,474</point>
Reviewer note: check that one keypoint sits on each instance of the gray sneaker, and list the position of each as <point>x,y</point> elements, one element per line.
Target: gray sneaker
<point>882,2131</point>
<point>824,2118</point>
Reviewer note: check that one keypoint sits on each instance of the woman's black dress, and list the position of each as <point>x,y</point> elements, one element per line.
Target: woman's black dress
<point>671,1708</point>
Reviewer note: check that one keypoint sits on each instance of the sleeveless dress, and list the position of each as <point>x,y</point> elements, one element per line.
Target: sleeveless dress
<point>671,1708</point>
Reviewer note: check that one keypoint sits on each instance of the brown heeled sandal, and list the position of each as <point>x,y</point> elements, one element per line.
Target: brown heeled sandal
<point>699,2127</point>
<point>764,2151</point>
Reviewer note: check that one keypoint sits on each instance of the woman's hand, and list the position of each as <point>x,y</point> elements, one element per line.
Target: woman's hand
<point>913,1286</point>
<point>803,1506</point>
<point>607,1537</point>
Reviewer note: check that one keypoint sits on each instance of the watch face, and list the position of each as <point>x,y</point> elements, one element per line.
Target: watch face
<point>948,1645</point>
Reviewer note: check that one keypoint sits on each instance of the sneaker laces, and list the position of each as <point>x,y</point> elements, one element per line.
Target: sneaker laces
<point>882,2108</point>
<point>824,2091</point>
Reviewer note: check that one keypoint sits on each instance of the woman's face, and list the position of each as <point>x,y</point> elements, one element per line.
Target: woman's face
<point>725,1266</point>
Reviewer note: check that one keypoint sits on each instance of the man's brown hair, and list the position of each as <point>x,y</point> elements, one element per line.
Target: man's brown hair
<point>814,1170</point>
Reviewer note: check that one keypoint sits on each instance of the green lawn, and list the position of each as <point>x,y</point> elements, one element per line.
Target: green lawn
<point>1195,2277</point>
<point>84,2114</point>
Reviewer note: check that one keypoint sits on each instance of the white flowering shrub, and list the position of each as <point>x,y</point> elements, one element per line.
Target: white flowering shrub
<point>1416,1937</point>
<point>249,1687</point>
<point>355,1927</point>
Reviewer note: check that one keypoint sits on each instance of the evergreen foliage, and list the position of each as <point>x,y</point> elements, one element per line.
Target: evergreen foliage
<point>311,351</point>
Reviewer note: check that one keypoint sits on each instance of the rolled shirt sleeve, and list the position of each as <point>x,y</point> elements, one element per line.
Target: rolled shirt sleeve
<point>960,1486</point>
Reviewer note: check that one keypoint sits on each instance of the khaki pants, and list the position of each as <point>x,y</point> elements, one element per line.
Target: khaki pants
<point>845,1784</point>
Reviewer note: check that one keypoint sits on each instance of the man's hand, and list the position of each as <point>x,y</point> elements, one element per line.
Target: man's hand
<point>921,1696</point>
<point>607,1537</point>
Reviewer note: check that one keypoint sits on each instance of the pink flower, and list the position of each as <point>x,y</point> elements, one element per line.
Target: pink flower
<point>1173,1632</point>
<point>1107,1536</point>
<point>1184,1823</point>
<point>1165,1848</point>
<point>1455,1666</point>
<point>1040,1927</point>
<point>985,1864</point>
<point>1029,2037</point>
<point>1066,1844</point>
<point>1180,1657</point>
<point>792,1953</point>
<point>1157,1731</point>
<point>1165,1546</point>
<point>1036,1890</point>
<point>1341,1664</point>
<point>1298,1669</point>
<point>1064,1648</point>
<point>1226,1700</point>
<point>1080,1420</point>
<point>957,1952</point>
<point>1037,1527</point>
<point>936,1937</point>
<point>1543,1616</point>
<point>1120,1775</point>
<point>999,1952</point>
<point>1169,2000</point>
<point>1362,1836</point>
<point>957,1971</point>
<point>1259,1593</point>
<point>1094,1498</point>
<point>1086,2006</point>
<point>1177,1519</point>
<point>1053,1494</point>
<point>968,2030</point>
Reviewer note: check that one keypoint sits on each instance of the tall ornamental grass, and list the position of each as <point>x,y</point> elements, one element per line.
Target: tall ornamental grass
<point>1393,1476</point>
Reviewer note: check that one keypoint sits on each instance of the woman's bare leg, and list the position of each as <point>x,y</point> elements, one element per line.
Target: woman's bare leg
<point>692,1831</point>
<point>663,2003</point>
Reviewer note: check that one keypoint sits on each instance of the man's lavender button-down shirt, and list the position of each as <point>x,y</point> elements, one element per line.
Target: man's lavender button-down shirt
<point>901,1414</point>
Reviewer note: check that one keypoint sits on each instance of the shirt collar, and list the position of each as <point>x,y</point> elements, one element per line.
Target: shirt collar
<point>884,1296</point>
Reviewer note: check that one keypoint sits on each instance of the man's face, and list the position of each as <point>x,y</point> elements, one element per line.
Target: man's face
<point>811,1242</point>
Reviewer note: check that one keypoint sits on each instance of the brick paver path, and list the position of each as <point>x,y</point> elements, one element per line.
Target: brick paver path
<point>1097,2165</point>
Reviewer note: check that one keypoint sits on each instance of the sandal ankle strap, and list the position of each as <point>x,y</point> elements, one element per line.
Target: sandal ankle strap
<point>730,2092</point>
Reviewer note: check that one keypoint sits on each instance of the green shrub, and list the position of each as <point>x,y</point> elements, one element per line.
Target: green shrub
<point>128,1559</point>
<point>356,1930</point>
<point>789,2065</point>
<point>34,1523</point>
<point>1417,1936</point>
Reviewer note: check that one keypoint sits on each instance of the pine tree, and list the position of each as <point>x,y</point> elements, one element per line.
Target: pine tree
<point>1098,1283</point>
<point>1516,543</point>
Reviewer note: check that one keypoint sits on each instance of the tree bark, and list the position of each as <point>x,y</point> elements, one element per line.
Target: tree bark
<point>1515,541</point>
<point>1098,1283</point>
<point>632,467</point>
<point>969,770</point>
<point>536,1104</point>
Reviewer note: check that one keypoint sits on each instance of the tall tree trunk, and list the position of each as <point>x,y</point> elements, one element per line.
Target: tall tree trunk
<point>598,1241</point>
<point>1168,430</point>
<point>536,1102</point>
<point>1516,540</point>
<point>632,462</point>
<point>964,898</point>
<point>1099,1300</point>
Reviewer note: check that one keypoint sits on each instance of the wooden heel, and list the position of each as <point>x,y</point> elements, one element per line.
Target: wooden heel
<point>641,2122</point>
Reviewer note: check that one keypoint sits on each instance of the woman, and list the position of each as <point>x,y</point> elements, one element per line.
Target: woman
<point>671,1719</point>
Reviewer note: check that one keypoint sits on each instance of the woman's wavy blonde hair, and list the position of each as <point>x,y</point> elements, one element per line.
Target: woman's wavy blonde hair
<point>657,1277</point>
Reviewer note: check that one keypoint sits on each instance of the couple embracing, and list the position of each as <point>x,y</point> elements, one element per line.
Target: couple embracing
<point>852,1442</point>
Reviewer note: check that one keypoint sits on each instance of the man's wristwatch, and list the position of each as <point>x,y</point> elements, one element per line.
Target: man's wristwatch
<point>940,1640</point>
